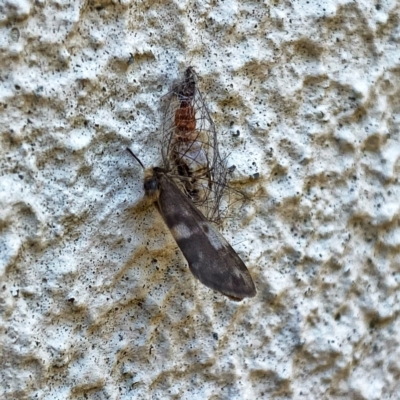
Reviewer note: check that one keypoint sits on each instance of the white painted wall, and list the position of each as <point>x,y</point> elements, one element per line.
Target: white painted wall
<point>96,298</point>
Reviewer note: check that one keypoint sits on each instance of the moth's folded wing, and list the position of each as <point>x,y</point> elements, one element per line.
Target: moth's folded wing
<point>210,257</point>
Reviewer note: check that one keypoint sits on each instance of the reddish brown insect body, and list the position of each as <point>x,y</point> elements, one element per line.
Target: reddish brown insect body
<point>185,123</point>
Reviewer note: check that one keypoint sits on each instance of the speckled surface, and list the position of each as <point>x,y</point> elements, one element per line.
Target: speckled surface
<point>96,299</point>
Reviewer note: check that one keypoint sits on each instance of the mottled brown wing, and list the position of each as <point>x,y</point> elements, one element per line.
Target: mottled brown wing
<point>210,257</point>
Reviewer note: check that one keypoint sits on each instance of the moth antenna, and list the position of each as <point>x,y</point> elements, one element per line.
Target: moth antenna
<point>135,157</point>
<point>235,244</point>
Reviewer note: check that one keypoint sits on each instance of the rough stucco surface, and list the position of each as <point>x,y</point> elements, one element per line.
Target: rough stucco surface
<point>97,301</point>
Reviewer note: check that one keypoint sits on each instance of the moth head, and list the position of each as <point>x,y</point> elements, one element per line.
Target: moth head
<point>151,184</point>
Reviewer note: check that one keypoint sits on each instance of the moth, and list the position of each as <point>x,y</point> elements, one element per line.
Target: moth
<point>188,188</point>
<point>189,146</point>
<point>210,257</point>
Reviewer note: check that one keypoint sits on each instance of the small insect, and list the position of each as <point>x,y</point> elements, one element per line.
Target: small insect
<point>210,257</point>
<point>189,146</point>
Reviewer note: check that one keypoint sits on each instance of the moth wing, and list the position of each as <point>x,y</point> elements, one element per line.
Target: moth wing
<point>210,257</point>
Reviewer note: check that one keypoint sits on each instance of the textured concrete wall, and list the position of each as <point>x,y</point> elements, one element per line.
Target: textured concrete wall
<point>97,301</point>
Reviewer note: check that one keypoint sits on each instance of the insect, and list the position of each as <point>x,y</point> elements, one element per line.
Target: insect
<point>210,257</point>
<point>190,183</point>
<point>189,146</point>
